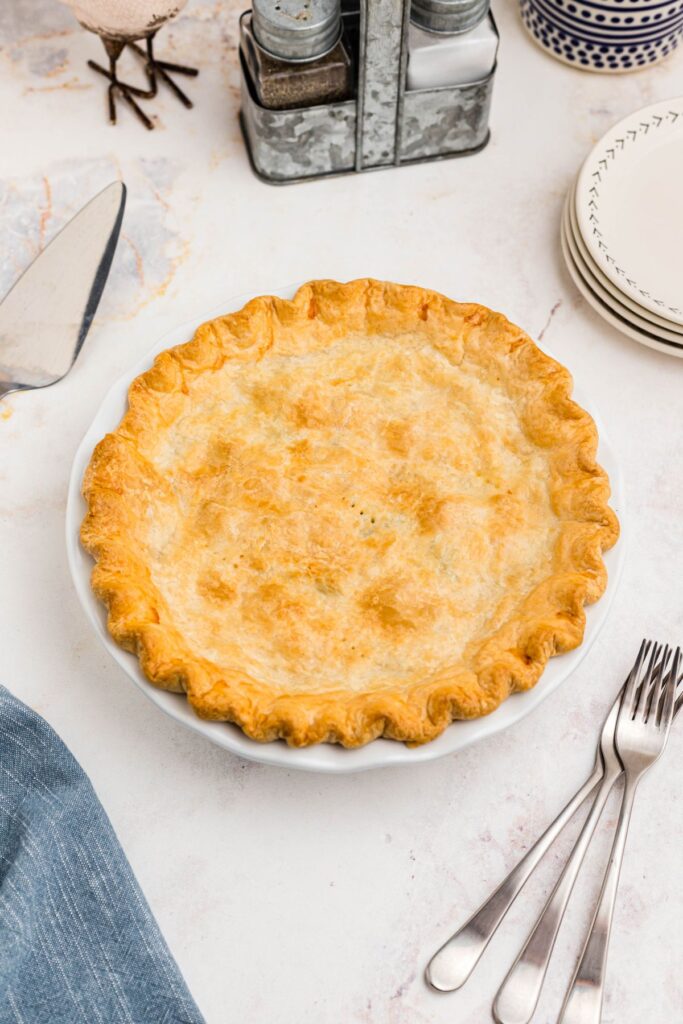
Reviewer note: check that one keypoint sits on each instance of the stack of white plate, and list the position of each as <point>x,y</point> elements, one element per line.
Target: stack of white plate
<point>622,227</point>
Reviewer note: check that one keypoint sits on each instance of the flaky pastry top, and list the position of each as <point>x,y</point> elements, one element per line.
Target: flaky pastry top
<point>367,511</point>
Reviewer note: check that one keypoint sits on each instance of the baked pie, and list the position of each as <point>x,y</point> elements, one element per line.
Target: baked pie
<point>364,512</point>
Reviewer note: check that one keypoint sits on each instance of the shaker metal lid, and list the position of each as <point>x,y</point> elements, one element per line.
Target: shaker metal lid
<point>448,16</point>
<point>297,30</point>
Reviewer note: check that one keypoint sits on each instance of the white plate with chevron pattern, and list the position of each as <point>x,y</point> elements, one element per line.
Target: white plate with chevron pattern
<point>613,312</point>
<point>614,295</point>
<point>629,207</point>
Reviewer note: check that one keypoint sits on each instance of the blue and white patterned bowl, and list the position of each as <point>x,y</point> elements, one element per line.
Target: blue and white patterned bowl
<point>612,35</point>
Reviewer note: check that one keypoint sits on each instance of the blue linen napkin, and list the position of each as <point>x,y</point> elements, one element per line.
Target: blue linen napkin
<point>78,942</point>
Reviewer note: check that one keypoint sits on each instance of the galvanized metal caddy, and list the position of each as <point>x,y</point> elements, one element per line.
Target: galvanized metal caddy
<point>385,125</point>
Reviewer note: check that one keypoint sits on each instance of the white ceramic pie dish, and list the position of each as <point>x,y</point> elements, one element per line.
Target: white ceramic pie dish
<point>323,757</point>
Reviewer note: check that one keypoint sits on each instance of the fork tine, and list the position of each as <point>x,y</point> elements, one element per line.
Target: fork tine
<point>643,702</point>
<point>677,675</point>
<point>631,691</point>
<point>659,682</point>
<point>678,686</point>
<point>670,693</point>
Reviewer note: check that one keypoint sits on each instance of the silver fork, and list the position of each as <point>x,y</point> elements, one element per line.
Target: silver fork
<point>518,995</point>
<point>452,964</point>
<point>641,733</point>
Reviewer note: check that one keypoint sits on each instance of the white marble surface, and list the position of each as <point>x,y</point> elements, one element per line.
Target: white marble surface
<point>302,898</point>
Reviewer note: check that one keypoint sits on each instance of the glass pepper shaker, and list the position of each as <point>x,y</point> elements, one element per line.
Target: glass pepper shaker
<point>450,43</point>
<point>295,53</point>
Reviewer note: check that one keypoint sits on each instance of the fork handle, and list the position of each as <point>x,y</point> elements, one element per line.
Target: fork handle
<point>518,995</point>
<point>451,966</point>
<point>583,1002</point>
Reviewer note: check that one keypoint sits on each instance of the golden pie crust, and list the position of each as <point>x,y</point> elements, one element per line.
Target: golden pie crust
<point>364,512</point>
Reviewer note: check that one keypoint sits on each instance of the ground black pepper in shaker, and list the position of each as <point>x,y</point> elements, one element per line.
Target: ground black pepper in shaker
<point>295,53</point>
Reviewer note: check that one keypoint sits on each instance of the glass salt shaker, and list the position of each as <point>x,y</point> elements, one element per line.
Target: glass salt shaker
<point>295,53</point>
<point>450,43</point>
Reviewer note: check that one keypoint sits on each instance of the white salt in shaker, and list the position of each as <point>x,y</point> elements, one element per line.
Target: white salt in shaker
<point>450,42</point>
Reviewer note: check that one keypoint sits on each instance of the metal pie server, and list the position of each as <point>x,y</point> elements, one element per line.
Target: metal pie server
<point>46,315</point>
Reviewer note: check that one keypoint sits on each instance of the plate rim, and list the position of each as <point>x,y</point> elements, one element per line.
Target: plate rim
<point>609,143</point>
<point>323,758</point>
